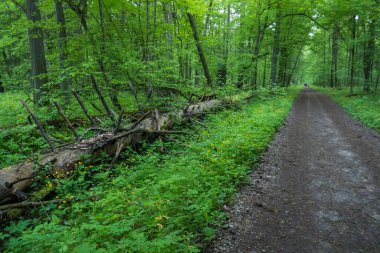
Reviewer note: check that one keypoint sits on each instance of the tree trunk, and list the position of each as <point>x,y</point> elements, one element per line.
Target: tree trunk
<point>113,93</point>
<point>276,46</point>
<point>334,55</point>
<point>368,55</point>
<point>265,71</point>
<point>17,178</point>
<point>168,17</point>
<point>353,37</point>
<point>62,48</point>
<point>37,50</point>
<point>199,49</point>
<point>324,74</point>
<point>261,28</point>
<point>289,78</point>
<point>205,28</point>
<point>281,79</point>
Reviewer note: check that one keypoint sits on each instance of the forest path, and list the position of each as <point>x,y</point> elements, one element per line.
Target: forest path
<point>317,189</point>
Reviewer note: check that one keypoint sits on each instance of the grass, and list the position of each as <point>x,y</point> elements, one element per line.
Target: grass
<point>155,202</point>
<point>363,106</point>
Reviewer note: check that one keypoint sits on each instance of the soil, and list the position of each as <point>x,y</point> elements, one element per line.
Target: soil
<point>317,189</point>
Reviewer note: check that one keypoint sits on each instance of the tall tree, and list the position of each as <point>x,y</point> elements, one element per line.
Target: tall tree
<point>353,50</point>
<point>276,45</point>
<point>36,46</point>
<point>201,53</point>
<point>62,48</point>
<point>334,56</point>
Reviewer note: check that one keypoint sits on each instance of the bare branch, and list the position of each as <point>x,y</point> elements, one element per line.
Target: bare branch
<point>20,6</point>
<point>307,16</point>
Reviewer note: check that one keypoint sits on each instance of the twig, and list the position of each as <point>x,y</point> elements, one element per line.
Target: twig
<point>96,107</point>
<point>71,127</point>
<point>134,93</point>
<point>40,127</point>
<point>195,113</point>
<point>92,129</point>
<point>117,127</point>
<point>120,147</point>
<point>31,204</point>
<point>57,141</point>
<point>198,122</point>
<point>84,109</point>
<point>102,99</point>
<point>139,121</point>
<point>134,131</point>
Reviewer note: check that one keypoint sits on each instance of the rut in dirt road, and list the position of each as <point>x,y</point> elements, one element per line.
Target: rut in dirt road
<point>317,189</point>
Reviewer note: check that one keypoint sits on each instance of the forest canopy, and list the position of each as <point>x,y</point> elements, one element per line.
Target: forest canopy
<point>51,47</point>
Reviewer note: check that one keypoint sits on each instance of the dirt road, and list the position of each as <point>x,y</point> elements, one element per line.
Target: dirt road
<point>317,190</point>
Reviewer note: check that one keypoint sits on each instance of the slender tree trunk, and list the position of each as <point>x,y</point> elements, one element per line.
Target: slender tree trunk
<point>324,74</point>
<point>353,37</point>
<point>113,93</point>
<point>334,54</point>
<point>147,39</point>
<point>289,78</point>
<point>227,41</point>
<point>276,46</point>
<point>377,80</point>
<point>37,50</point>
<point>205,28</point>
<point>284,55</point>
<point>199,49</point>
<point>62,49</point>
<point>256,47</point>
<point>368,55</point>
<point>168,17</point>
<point>265,71</point>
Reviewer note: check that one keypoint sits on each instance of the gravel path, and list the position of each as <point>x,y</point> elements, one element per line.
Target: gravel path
<point>316,191</point>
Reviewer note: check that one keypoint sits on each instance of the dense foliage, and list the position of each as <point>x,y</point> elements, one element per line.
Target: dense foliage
<point>156,202</point>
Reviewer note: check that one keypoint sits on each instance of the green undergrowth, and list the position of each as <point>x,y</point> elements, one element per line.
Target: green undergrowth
<point>365,107</point>
<point>156,201</point>
<point>19,139</point>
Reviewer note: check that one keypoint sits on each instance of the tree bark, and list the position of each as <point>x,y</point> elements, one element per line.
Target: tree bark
<point>62,49</point>
<point>368,55</point>
<point>353,37</point>
<point>200,49</point>
<point>37,50</point>
<point>205,28</point>
<point>334,82</point>
<point>276,46</point>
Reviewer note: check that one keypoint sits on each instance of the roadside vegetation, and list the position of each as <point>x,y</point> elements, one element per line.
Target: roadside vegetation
<point>155,201</point>
<point>363,106</point>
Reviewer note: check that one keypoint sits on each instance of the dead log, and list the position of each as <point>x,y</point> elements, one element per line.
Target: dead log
<point>64,159</point>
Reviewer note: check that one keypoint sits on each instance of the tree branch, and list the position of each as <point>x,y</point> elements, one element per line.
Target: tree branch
<point>307,16</point>
<point>20,6</point>
<point>31,204</point>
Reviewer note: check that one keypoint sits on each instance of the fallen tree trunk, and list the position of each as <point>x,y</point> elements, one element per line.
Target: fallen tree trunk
<point>17,178</point>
